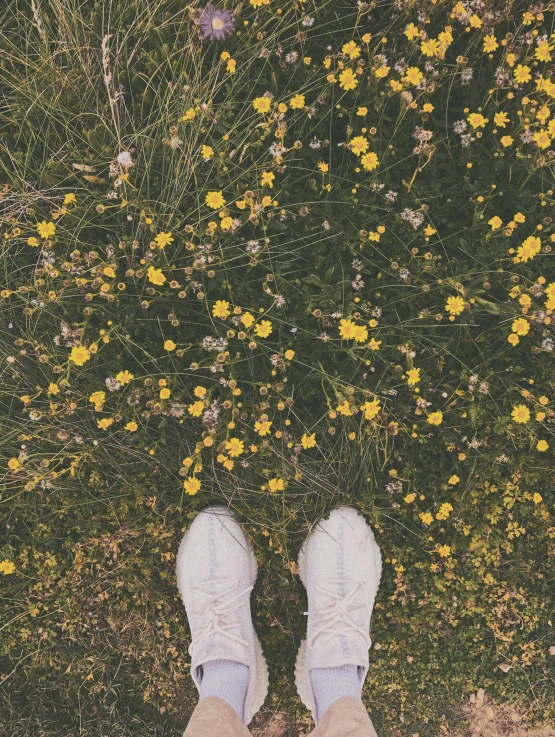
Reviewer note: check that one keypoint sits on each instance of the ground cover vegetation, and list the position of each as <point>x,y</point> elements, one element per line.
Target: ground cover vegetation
<point>276,255</point>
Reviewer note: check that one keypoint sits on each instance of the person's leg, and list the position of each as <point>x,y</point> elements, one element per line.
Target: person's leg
<point>214,717</point>
<point>346,717</point>
<point>340,566</point>
<point>216,570</point>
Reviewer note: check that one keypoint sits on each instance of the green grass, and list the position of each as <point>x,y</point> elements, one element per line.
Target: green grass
<point>93,637</point>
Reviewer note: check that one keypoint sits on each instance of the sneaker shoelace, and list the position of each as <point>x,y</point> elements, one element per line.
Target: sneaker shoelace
<point>217,613</point>
<point>335,619</point>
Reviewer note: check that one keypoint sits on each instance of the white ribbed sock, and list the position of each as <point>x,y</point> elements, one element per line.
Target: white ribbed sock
<point>331,684</point>
<point>227,680</point>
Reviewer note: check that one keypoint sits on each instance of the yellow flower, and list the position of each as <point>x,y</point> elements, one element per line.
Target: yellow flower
<point>369,161</point>
<point>359,144</point>
<point>247,319</point>
<point>426,518</point>
<point>344,408</point>
<point>360,333</point>
<point>32,241</point>
<point>169,345</point>
<point>371,408</point>
<point>124,377</point>
<point>454,480</point>
<point>221,309</point>
<point>477,120</point>
<point>297,102</point>
<point>362,111</point>
<point>435,418</point>
<point>507,141</point>
<point>495,222</point>
<point>132,426</point>
<point>165,393</point>
<point>413,76</point>
<point>191,485</point>
<point>348,80</point>
<point>259,3</point>
<point>444,511</point>
<point>235,447</point>
<point>155,276</point>
<point>351,49</point>
<point>520,413</point>
<point>501,119</point>
<point>522,74</point>
<point>163,239</point>
<point>231,66</point>
<point>263,328</point>
<point>513,339</point>
<point>262,104</point>
<point>200,392</point>
<point>413,376</point>
<point>409,498</point>
<point>267,179</point>
<point>46,230</point>
<point>98,399</point>
<point>262,427</point>
<point>289,354</point>
<point>308,441</point>
<point>455,305</point>
<point>537,498</point>
<point>105,423</point>
<point>196,408</point>
<point>381,72</point>
<point>542,139</point>
<point>206,152</point>
<point>411,32</point>
<point>215,200</point>
<point>53,388</point>
<point>529,248</point>
<point>444,551</point>
<point>428,107</point>
<point>543,51</point>
<point>13,464</point>
<point>323,167</point>
<point>69,198</point>
<point>374,344</point>
<point>7,567</point>
<point>542,446</point>
<point>430,47</point>
<point>521,326</point>
<point>543,400</point>
<point>490,44</point>
<point>79,355</point>
<point>275,485</point>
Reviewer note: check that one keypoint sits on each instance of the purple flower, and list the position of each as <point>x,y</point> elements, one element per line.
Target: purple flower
<point>216,24</point>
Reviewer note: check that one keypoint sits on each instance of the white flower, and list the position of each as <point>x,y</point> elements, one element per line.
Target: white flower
<point>125,160</point>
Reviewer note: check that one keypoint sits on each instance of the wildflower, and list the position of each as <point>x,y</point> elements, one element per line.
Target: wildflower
<point>412,76</point>
<point>435,418</point>
<point>348,80</point>
<point>13,464</point>
<point>7,567</point>
<point>409,498</point>
<point>520,413</point>
<point>105,423</point>
<point>165,393</point>
<point>215,200</point>
<point>495,222</point>
<point>522,74</point>
<point>359,144</point>
<point>520,326</point>
<point>32,241</point>
<point>191,485</point>
<point>275,485</point>
<point>297,102</point>
<point>426,517</point>
<point>542,446</point>
<point>97,398</point>
<point>263,426</point>
<point>169,345</point>
<point>371,408</point>
<point>490,44</point>
<point>155,276</point>
<point>267,179</point>
<point>132,426</point>
<point>453,480</point>
<point>196,408</point>
<point>124,159</point>
<point>79,355</point>
<point>513,339</point>
<point>46,230</point>
<point>235,446</point>
<point>542,139</point>
<point>369,161</point>
<point>444,551</point>
<point>344,408</point>
<point>501,119</point>
<point>259,3</point>
<point>221,309</point>
<point>309,441</point>
<point>69,198</point>
<point>216,24</point>
<point>507,141</point>
<point>477,120</point>
<point>200,392</point>
<point>444,511</point>
<point>413,376</point>
<point>261,105</point>
<point>124,377</point>
<point>529,248</point>
<point>351,49</point>
<point>455,305</point>
<point>289,354</point>
<point>537,498</point>
<point>247,319</point>
<point>263,329</point>
<point>163,239</point>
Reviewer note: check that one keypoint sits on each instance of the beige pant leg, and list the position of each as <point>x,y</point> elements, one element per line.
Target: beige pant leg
<point>346,717</point>
<point>214,717</point>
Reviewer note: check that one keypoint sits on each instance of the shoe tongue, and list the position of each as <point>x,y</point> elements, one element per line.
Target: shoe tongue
<point>331,651</point>
<point>219,647</point>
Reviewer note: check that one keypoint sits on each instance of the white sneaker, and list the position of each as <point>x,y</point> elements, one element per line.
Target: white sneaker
<point>216,571</point>
<point>340,566</point>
